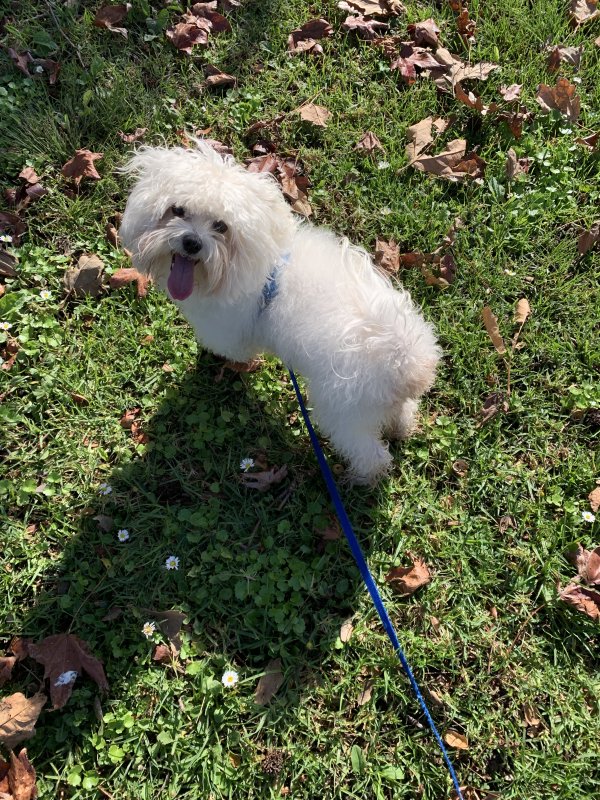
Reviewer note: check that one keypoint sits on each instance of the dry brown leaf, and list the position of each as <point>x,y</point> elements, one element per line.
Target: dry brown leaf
<point>491,325</point>
<point>21,60</point>
<point>443,163</point>
<point>406,580</point>
<point>425,33</point>
<point>387,255</point>
<point>472,101</point>
<point>265,479</point>
<point>20,778</point>
<point>332,532</point>
<point>128,138</point>
<point>209,11</point>
<point>410,58</point>
<point>364,697</point>
<point>6,667</point>
<point>185,35</point>
<point>109,17</point>
<point>588,239</point>
<point>368,142</point>
<point>374,8</point>
<point>7,265</point>
<point>216,78</point>
<point>65,657</point>
<point>506,522</point>
<point>317,115</point>
<point>530,715</point>
<point>588,564</point>
<point>269,683</point>
<point>460,467</point>
<point>512,92</point>
<point>590,141</point>
<point>594,498</point>
<point>29,174</point>
<point>304,39</point>
<point>516,166</point>
<point>86,277</point>
<point>465,25</point>
<point>585,600</point>
<point>18,715</point>
<point>346,631</point>
<point>584,11</point>
<point>523,310</point>
<point>419,138</point>
<point>562,98</point>
<point>123,277</point>
<point>82,166</point>
<point>368,29</point>
<point>492,404</point>
<point>568,55</point>
<point>457,740</point>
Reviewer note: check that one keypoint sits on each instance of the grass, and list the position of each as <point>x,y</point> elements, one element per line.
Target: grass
<point>256,581</point>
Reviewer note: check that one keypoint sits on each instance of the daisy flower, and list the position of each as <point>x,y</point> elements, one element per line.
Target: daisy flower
<point>246,464</point>
<point>148,629</point>
<point>5,326</point>
<point>587,516</point>
<point>123,535</point>
<point>45,294</point>
<point>104,488</point>
<point>172,562</point>
<point>383,164</point>
<point>229,679</point>
<point>6,238</point>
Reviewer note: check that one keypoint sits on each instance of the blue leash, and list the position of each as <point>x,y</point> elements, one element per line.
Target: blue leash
<point>369,582</point>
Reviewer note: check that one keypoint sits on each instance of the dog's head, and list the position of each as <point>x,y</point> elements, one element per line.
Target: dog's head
<point>196,221</point>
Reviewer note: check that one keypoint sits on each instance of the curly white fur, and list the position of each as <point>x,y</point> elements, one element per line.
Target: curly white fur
<point>364,349</point>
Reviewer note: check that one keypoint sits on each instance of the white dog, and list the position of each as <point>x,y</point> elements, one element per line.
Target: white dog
<point>250,278</point>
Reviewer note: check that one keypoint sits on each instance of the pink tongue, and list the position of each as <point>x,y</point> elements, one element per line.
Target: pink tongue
<point>181,277</point>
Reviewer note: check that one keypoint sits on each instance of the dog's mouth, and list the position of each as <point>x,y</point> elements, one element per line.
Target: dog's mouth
<point>181,277</point>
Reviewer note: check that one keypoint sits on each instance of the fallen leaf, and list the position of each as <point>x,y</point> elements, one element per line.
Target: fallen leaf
<point>6,667</point>
<point>21,778</point>
<point>19,647</point>
<point>446,271</point>
<point>562,98</point>
<point>368,142</point>
<point>515,166</point>
<point>460,467</point>
<point>590,141</point>
<point>346,631</point>
<point>129,417</point>
<point>109,17</point>
<point>506,522</point>
<point>128,138</point>
<point>21,60</point>
<point>450,70</point>
<point>585,600</point>
<point>265,479</point>
<point>220,24</point>
<point>457,740</point>
<point>588,239</point>
<point>472,101</point>
<point>364,697</point>
<point>317,115</point>
<point>588,564</point>
<point>425,33</point>
<point>185,35</point>
<point>266,163</point>
<point>453,163</point>
<point>82,166</point>
<point>123,277</point>
<point>406,580</point>
<point>584,11</point>
<point>523,310</point>
<point>568,55</point>
<point>65,657</point>
<point>512,92</point>
<point>86,277</point>
<point>29,174</point>
<point>304,39</point>
<point>13,224</point>
<point>491,325</point>
<point>515,120</point>
<point>112,236</point>
<point>365,28</point>
<point>7,265</point>
<point>332,532</point>
<point>163,654</point>
<point>419,138</point>
<point>465,25</point>
<point>387,255</point>
<point>216,78</point>
<point>18,715</point>
<point>492,404</point>
<point>594,498</point>
<point>374,8</point>
<point>269,683</point>
<point>410,58</point>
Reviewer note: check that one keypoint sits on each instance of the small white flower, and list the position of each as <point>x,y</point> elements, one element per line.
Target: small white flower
<point>383,164</point>
<point>229,679</point>
<point>6,238</point>
<point>5,326</point>
<point>148,629</point>
<point>246,464</point>
<point>385,211</point>
<point>576,79</point>
<point>587,516</point>
<point>510,272</point>
<point>104,488</point>
<point>45,294</point>
<point>39,69</point>
<point>172,562</point>
<point>65,678</point>
<point>122,535</point>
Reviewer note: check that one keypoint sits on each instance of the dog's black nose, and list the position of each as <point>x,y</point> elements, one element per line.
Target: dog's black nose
<point>191,245</point>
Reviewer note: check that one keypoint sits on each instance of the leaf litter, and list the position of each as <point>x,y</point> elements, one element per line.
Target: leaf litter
<point>17,778</point>
<point>406,580</point>
<point>18,716</point>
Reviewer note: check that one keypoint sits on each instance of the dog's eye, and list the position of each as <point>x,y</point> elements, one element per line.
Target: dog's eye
<point>178,211</point>
<point>220,226</point>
